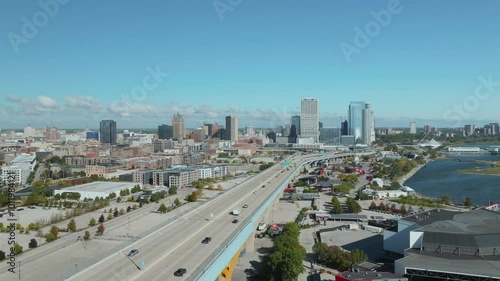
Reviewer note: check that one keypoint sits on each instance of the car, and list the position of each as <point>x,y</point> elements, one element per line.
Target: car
<point>245,206</point>
<point>133,253</point>
<point>180,272</point>
<point>255,192</point>
<point>20,209</point>
<point>263,186</point>
<point>235,221</point>
<point>31,207</point>
<point>206,240</point>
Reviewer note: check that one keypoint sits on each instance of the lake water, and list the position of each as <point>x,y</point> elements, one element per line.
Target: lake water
<point>441,177</point>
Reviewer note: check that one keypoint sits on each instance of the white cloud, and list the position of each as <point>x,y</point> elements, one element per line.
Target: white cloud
<point>83,102</point>
<point>37,106</point>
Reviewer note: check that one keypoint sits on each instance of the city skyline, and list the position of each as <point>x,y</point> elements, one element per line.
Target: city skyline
<point>192,64</point>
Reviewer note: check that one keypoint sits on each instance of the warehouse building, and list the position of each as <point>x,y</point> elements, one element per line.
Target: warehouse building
<point>97,189</point>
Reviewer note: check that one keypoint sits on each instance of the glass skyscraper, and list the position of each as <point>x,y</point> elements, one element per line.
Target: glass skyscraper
<point>355,120</point>
<point>107,132</point>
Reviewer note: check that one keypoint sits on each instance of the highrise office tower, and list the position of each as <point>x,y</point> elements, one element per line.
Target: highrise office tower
<point>344,128</point>
<point>232,128</point>
<point>309,119</point>
<point>165,132</point>
<point>355,119</point>
<point>296,122</point>
<point>107,132</point>
<point>413,128</point>
<point>368,125</point>
<point>178,126</point>
<point>249,130</point>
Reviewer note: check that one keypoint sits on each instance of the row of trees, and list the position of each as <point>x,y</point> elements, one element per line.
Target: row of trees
<point>285,262</point>
<point>263,167</point>
<point>337,258</point>
<point>391,209</point>
<point>348,177</point>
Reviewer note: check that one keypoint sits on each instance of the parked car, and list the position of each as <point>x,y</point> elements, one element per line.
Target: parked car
<point>20,209</point>
<point>133,253</point>
<point>206,240</point>
<point>235,221</point>
<point>180,272</point>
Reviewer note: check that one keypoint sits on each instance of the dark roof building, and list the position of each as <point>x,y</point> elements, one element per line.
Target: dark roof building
<point>369,276</point>
<point>464,247</point>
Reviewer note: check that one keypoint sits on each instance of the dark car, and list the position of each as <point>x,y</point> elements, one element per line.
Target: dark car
<point>180,272</point>
<point>235,221</point>
<point>245,206</point>
<point>133,253</point>
<point>206,240</point>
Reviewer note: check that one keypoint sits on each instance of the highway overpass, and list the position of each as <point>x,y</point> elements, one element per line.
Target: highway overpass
<point>178,243</point>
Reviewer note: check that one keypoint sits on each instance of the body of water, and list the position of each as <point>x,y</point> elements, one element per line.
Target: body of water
<point>441,177</point>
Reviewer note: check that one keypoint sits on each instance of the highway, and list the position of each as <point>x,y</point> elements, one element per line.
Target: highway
<point>178,245</point>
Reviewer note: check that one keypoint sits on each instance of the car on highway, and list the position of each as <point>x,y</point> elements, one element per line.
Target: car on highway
<point>20,209</point>
<point>235,221</point>
<point>245,206</point>
<point>255,192</point>
<point>133,253</point>
<point>180,272</point>
<point>206,240</point>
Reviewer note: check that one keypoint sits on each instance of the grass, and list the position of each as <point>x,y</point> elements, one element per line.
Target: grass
<point>486,171</point>
<point>416,201</point>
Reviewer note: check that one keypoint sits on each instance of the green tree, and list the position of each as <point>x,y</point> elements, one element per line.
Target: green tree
<point>18,249</point>
<point>110,216</point>
<point>172,190</point>
<point>72,225</point>
<point>445,199</point>
<point>92,221</point>
<point>336,206</point>
<point>2,255</point>
<point>219,187</point>
<point>102,219</point>
<point>49,237</point>
<point>129,209</point>
<point>177,202</point>
<point>162,209</point>
<point>122,211</point>
<point>33,244</point>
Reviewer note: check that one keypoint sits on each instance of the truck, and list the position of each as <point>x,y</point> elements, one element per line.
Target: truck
<point>236,212</point>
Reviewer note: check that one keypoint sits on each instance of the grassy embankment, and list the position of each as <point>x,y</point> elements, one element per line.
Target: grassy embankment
<point>494,169</point>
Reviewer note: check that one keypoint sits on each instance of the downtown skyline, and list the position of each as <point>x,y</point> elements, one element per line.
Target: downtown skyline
<point>159,59</point>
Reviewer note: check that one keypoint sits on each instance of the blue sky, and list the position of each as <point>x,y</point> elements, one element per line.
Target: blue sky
<point>257,60</point>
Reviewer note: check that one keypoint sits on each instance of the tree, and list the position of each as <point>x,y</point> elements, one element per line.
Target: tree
<point>219,187</point>
<point>54,230</point>
<point>403,210</point>
<point>49,237</point>
<point>177,202</point>
<point>102,219</point>
<point>122,211</point>
<point>101,228</point>
<point>211,186</point>
<point>2,255</point>
<point>172,190</point>
<point>445,199</point>
<point>129,209</point>
<point>115,213</point>
<point>162,209</point>
<point>33,244</point>
<point>468,202</point>
<point>92,221</point>
<point>110,216</point>
<point>72,225</point>
<point>336,206</point>
<point>18,249</point>
<point>86,237</point>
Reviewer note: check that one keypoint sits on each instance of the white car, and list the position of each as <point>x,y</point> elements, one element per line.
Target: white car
<point>255,192</point>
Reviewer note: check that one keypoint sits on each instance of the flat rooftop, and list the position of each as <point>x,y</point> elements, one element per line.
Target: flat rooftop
<point>100,186</point>
<point>466,265</point>
<point>431,216</point>
<point>369,275</point>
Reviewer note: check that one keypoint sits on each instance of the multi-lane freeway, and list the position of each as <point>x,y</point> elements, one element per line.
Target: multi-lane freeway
<point>178,245</point>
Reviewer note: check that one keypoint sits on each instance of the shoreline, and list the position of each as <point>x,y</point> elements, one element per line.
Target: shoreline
<point>412,173</point>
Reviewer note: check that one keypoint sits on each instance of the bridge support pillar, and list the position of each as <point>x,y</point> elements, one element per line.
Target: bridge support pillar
<point>227,273</point>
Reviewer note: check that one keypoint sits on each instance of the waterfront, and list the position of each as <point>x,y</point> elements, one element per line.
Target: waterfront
<point>442,177</point>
